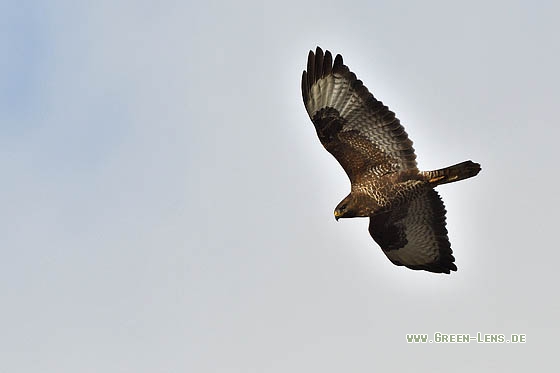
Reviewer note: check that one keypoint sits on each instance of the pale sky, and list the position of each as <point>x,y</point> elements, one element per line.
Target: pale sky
<point>167,206</point>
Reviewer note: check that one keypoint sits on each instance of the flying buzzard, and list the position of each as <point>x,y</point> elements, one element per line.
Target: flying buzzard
<point>406,215</point>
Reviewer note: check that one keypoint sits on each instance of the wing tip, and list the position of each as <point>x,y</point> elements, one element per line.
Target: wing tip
<point>320,64</point>
<point>444,267</point>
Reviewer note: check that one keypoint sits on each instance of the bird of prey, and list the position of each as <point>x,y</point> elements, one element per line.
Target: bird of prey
<point>406,215</point>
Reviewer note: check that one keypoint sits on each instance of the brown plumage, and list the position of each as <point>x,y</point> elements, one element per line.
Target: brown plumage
<point>407,216</point>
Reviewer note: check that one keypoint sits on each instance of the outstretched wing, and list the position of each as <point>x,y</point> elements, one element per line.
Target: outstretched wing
<point>414,235</point>
<point>358,130</point>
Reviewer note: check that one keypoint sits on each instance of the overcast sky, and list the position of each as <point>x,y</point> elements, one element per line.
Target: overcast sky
<point>166,205</point>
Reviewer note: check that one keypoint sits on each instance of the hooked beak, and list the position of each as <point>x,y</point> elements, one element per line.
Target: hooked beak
<point>337,215</point>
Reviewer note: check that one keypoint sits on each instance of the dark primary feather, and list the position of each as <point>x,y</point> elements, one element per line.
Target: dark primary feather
<point>358,130</point>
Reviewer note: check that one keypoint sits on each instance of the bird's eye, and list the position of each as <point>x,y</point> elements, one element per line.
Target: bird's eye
<point>342,208</point>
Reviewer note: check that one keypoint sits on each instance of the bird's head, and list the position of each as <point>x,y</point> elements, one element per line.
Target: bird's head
<point>347,208</point>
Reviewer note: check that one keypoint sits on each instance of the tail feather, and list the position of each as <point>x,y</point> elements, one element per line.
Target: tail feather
<point>457,172</point>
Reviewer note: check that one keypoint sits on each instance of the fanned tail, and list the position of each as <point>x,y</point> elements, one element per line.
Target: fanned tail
<point>450,174</point>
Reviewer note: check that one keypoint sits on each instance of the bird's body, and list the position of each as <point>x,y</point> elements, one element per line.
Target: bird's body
<point>407,217</point>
